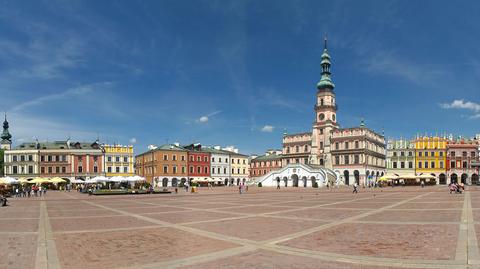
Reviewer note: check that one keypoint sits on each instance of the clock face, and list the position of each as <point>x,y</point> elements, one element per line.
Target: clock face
<point>321,116</point>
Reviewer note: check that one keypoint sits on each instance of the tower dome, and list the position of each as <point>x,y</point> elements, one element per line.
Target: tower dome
<point>325,79</point>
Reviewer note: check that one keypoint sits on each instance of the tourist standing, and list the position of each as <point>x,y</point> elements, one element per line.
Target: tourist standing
<point>355,188</point>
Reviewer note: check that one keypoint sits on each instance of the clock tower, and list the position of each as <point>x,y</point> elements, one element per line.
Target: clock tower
<point>325,115</point>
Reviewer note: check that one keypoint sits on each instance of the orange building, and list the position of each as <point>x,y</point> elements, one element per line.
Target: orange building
<point>164,166</point>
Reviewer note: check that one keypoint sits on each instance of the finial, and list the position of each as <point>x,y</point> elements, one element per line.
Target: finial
<point>325,41</point>
<point>284,131</point>
<point>362,122</point>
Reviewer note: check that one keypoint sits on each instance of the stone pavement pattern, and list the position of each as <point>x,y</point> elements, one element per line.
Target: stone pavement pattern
<point>265,228</point>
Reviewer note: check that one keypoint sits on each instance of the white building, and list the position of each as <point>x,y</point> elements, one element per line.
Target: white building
<point>299,175</point>
<point>219,164</point>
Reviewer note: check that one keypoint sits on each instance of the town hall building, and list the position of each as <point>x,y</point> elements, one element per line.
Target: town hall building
<point>328,154</point>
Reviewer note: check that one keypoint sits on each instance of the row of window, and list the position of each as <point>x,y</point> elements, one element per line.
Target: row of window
<point>297,160</point>
<point>464,154</point>
<point>117,169</point>
<point>117,159</point>
<point>356,160</point>
<point>453,164</point>
<point>21,169</point>
<point>306,148</point>
<point>244,161</point>
<point>356,145</point>
<point>432,153</point>
<point>57,170</point>
<point>402,153</point>
<point>53,158</point>
<point>265,164</point>
<point>346,159</point>
<point>259,172</point>
<point>218,170</point>
<point>22,158</point>
<point>402,164</point>
<point>432,165</point>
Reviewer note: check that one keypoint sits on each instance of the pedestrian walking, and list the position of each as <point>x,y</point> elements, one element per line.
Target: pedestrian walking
<point>355,188</point>
<point>278,183</point>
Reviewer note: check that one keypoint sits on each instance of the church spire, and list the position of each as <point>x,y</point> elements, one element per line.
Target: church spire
<point>6,136</point>
<point>325,80</point>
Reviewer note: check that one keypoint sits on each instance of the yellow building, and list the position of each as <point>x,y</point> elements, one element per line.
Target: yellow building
<point>118,160</point>
<point>431,154</point>
<point>240,167</point>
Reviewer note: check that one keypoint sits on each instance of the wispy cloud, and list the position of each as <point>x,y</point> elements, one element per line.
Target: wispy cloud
<point>81,90</point>
<point>465,105</point>
<point>206,118</point>
<point>462,104</point>
<point>388,62</point>
<point>132,140</point>
<point>267,129</point>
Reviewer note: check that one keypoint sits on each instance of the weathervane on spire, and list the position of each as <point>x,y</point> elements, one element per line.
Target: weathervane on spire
<point>325,41</point>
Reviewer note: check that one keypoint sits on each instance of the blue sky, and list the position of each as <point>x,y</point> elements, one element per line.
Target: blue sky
<point>235,72</point>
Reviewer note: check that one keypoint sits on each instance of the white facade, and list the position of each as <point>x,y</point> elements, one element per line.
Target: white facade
<point>299,175</point>
<point>21,163</point>
<point>220,166</point>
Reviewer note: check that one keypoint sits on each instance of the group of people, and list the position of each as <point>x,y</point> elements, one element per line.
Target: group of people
<point>454,187</point>
<point>242,187</point>
<point>30,191</point>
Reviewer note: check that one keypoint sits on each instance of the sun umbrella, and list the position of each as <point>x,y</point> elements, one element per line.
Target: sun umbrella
<point>22,180</point>
<point>38,180</point>
<point>134,179</point>
<point>8,180</point>
<point>100,179</point>
<point>117,179</point>
<point>57,180</point>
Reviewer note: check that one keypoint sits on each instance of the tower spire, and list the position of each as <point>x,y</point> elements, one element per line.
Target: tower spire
<point>325,80</point>
<point>6,136</point>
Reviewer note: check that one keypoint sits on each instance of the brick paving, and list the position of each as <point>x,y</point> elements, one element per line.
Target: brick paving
<point>405,227</point>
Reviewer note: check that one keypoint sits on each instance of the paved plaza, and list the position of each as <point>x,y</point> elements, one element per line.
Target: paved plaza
<point>399,227</point>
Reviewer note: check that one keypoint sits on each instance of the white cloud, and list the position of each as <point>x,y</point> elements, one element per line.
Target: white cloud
<point>267,129</point>
<point>206,118</point>
<point>132,140</point>
<point>461,104</point>
<point>203,119</point>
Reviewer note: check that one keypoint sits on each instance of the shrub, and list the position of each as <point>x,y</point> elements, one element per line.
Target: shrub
<point>260,184</point>
<point>315,185</point>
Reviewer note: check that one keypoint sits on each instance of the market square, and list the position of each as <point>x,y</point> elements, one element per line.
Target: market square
<point>397,227</point>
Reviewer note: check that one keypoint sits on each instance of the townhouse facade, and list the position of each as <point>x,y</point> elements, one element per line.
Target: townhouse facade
<point>358,154</point>
<point>462,154</point>
<point>431,157</point>
<point>119,160</point>
<point>400,157</point>
<point>164,166</point>
<point>262,165</point>
<point>177,165</point>
<point>65,159</point>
